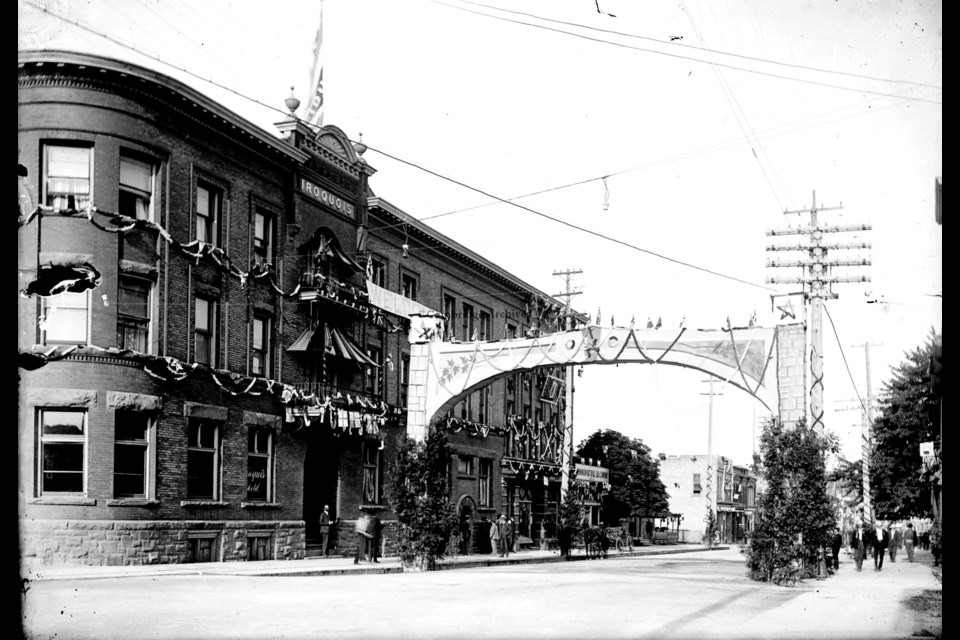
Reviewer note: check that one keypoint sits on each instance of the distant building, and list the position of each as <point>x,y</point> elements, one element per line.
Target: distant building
<point>733,489</point>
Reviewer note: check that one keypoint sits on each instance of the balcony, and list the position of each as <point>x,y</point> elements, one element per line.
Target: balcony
<point>314,285</point>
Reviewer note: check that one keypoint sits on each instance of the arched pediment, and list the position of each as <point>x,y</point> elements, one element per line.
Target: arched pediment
<point>336,140</point>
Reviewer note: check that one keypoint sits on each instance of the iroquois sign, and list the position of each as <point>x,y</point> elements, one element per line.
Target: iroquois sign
<point>320,194</point>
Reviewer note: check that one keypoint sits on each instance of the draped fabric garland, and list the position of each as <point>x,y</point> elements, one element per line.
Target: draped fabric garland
<point>342,412</point>
<point>56,279</point>
<point>475,429</point>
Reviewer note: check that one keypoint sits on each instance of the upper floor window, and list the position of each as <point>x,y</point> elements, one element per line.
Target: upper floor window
<point>204,331</point>
<point>131,449</point>
<point>65,318</point>
<point>468,322</point>
<point>450,311</point>
<point>378,271</point>
<point>483,327</point>
<point>371,375</point>
<point>133,314</point>
<point>484,405</point>
<point>67,176</point>
<point>696,483</point>
<point>263,237</point>
<point>408,286</point>
<point>260,346</point>
<point>404,379</point>
<point>465,465</point>
<point>203,460</point>
<point>259,466</point>
<point>62,452</point>
<point>485,473</point>
<point>209,202</point>
<point>136,188</point>
<point>511,331</point>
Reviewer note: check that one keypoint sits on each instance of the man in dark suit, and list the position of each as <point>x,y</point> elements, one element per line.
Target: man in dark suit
<point>325,530</point>
<point>376,531</point>
<point>881,540</point>
<point>835,543</point>
<point>860,542</point>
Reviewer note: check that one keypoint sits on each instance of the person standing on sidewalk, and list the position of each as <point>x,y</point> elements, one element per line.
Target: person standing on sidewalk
<point>495,534</point>
<point>363,528</point>
<point>896,541</point>
<point>325,530</point>
<point>376,532</point>
<point>835,543</point>
<point>909,539</point>
<point>881,540</point>
<point>859,542</point>
<point>511,535</point>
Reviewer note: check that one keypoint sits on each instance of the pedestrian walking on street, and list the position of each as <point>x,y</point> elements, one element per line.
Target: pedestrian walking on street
<point>936,543</point>
<point>495,534</point>
<point>925,540</point>
<point>859,543</point>
<point>511,535</point>
<point>909,539</point>
<point>835,543</point>
<point>881,540</point>
<point>896,541</point>
<point>363,527</point>
<point>325,530</point>
<point>376,531</point>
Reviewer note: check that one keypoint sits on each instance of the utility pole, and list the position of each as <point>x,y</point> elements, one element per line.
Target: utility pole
<point>709,483</point>
<point>817,281</point>
<point>567,459</point>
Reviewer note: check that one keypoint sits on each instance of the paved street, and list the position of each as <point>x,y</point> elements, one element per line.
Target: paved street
<point>686,595</point>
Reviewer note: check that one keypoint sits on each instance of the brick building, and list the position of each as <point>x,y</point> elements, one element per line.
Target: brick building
<point>733,489</point>
<point>212,332</point>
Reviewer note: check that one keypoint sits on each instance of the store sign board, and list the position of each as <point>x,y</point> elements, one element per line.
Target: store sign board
<point>323,196</point>
<point>590,473</point>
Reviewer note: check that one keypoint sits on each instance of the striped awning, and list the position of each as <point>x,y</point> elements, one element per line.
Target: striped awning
<point>335,342</point>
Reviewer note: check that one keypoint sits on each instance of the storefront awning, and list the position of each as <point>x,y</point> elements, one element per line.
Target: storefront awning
<point>335,342</point>
<point>395,303</point>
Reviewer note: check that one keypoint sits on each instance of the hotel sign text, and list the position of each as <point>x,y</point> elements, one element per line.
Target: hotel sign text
<point>322,195</point>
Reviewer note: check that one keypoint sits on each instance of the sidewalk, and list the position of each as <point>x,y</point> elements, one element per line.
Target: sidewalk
<point>330,566</point>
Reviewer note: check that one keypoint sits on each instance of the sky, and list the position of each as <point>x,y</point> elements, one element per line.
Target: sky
<point>662,140</point>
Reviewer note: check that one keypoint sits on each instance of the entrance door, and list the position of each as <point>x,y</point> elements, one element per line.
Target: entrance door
<point>321,473</point>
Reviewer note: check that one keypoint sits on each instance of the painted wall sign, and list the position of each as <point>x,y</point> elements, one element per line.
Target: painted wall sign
<point>322,195</point>
<point>590,473</point>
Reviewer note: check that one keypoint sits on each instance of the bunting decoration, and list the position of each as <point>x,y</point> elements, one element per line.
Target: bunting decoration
<point>55,279</point>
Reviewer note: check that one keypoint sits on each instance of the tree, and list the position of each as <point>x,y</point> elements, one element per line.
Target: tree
<point>909,414</point>
<point>570,512</point>
<point>635,486</point>
<point>419,495</point>
<point>794,516</point>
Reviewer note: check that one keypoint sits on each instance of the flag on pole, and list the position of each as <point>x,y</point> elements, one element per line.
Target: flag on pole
<point>315,108</point>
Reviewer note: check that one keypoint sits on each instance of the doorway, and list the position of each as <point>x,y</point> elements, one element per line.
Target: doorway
<point>321,483</point>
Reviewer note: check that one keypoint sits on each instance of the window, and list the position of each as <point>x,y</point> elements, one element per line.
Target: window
<point>259,477</point>
<point>465,465</point>
<point>450,311</point>
<point>136,188</point>
<point>468,326</point>
<point>483,400</point>
<point>203,546</point>
<point>208,213</point>
<point>371,472</point>
<point>486,481</point>
<point>64,319</point>
<point>511,331</point>
<point>204,331</point>
<point>62,451</point>
<point>203,460</point>
<point>483,331</point>
<point>696,483</point>
<point>262,237</point>
<point>466,408</point>
<point>260,347</point>
<point>378,271</point>
<point>404,379</point>
<point>67,176</point>
<point>259,546</point>
<point>371,375</point>
<point>133,314</point>
<point>131,448</point>
<point>408,286</point>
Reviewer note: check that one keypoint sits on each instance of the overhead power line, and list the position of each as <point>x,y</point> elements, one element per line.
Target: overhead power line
<point>682,57</point>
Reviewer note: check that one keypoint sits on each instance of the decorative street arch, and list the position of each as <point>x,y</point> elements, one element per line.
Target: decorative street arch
<point>765,362</point>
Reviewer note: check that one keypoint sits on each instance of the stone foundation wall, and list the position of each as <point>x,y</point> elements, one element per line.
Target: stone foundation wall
<point>103,542</point>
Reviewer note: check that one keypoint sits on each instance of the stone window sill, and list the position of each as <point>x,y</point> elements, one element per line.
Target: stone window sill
<point>133,502</point>
<point>490,509</point>
<point>78,501</point>
<point>373,507</point>
<point>261,505</point>
<point>203,504</point>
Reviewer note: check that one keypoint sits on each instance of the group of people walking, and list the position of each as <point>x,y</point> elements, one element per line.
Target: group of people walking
<point>878,542</point>
<point>502,533</point>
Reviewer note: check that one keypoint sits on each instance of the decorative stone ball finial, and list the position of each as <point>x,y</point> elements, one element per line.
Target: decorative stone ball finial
<point>359,147</point>
<point>292,103</point>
